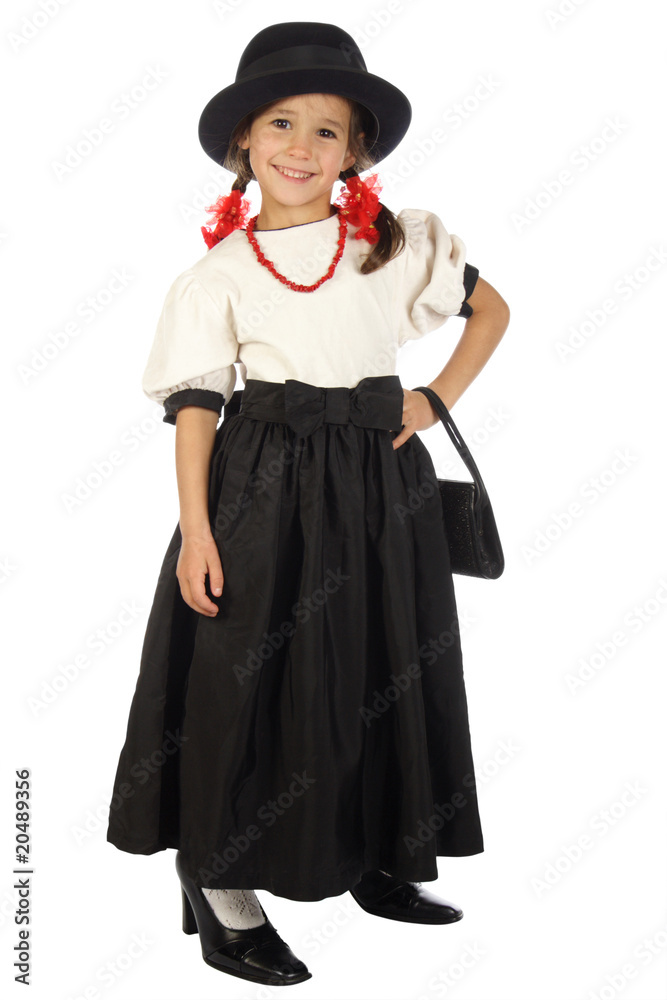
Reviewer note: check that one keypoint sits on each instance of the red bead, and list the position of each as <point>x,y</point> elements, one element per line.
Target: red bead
<point>281,277</point>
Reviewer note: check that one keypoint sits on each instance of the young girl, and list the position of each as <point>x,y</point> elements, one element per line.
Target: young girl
<point>299,722</point>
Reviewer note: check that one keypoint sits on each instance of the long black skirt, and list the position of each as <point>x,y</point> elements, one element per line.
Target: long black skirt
<point>317,727</point>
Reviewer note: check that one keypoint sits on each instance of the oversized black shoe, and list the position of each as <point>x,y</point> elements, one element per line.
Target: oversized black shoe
<point>257,954</point>
<point>385,896</point>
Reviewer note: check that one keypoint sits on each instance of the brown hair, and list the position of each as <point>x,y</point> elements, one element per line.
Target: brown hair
<point>392,234</point>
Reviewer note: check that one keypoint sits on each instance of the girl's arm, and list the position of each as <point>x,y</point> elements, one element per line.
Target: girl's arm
<point>195,434</point>
<point>481,335</point>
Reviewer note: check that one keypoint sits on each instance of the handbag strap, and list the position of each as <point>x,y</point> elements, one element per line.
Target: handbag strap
<point>459,443</point>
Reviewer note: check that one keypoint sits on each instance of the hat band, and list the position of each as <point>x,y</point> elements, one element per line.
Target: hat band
<point>303,57</point>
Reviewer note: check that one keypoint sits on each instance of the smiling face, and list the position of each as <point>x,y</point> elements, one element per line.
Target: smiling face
<point>297,149</point>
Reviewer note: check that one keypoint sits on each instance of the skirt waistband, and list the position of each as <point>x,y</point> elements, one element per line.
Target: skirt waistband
<point>375,401</point>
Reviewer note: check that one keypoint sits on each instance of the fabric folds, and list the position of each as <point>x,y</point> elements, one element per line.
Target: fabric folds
<point>226,310</point>
<point>317,727</point>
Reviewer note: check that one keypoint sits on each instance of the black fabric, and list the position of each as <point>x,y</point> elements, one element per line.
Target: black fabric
<point>316,728</point>
<point>207,398</point>
<point>287,58</point>
<point>470,276</point>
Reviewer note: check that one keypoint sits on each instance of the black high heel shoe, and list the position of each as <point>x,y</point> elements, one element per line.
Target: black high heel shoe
<point>257,954</point>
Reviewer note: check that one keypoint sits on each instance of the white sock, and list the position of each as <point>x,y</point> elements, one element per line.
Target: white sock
<point>235,908</point>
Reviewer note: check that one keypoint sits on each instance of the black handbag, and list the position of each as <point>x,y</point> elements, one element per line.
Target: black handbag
<point>474,543</point>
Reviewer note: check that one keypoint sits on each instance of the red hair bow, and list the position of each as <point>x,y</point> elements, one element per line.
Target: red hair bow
<point>229,213</point>
<point>360,204</point>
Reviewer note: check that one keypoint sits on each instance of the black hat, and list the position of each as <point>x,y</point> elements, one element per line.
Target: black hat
<point>305,57</point>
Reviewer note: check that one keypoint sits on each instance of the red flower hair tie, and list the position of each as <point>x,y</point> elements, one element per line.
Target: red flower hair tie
<point>360,204</point>
<point>229,213</point>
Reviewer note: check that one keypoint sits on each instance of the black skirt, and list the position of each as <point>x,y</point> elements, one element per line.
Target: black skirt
<point>317,726</point>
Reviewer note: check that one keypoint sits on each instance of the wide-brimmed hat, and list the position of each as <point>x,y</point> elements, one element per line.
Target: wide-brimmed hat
<point>305,57</point>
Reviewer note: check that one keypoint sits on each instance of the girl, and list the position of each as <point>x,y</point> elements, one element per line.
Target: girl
<point>299,722</point>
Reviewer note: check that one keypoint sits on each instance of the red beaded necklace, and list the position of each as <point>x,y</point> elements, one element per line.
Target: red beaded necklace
<point>342,232</point>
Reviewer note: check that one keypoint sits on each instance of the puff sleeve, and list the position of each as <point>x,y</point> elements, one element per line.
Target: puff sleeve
<point>434,280</point>
<point>191,361</point>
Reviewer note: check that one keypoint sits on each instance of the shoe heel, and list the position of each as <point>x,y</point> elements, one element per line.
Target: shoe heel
<point>189,921</point>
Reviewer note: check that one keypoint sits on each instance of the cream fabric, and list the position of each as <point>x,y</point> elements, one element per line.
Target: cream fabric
<point>227,309</point>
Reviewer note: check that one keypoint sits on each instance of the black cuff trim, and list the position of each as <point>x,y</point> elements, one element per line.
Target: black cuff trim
<point>470,276</point>
<point>207,398</point>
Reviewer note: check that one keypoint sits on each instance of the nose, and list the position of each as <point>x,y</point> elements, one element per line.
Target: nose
<point>299,145</point>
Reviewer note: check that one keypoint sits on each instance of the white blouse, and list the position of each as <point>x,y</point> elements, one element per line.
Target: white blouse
<point>228,309</point>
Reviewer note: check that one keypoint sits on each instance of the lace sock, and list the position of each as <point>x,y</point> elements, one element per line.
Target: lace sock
<point>235,908</point>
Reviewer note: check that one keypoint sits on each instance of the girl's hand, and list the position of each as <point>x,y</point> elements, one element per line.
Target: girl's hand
<point>418,415</point>
<point>198,556</point>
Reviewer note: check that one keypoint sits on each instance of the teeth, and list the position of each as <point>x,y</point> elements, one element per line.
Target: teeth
<point>292,173</point>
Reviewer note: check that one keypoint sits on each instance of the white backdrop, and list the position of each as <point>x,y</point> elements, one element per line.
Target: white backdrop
<point>537,137</point>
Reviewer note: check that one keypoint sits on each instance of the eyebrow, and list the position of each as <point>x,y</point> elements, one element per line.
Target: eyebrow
<point>288,111</point>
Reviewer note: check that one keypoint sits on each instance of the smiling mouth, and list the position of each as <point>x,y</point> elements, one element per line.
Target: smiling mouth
<point>298,174</point>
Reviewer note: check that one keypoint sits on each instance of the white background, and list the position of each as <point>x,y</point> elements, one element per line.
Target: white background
<point>545,429</point>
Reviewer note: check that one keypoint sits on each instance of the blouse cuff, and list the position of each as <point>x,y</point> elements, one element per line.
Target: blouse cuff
<point>470,276</point>
<point>208,398</point>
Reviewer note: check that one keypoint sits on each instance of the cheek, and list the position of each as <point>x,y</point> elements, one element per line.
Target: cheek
<point>334,158</point>
<point>256,147</point>
<point>263,144</point>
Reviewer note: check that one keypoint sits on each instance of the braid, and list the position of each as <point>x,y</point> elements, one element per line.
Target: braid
<point>392,235</point>
<point>244,175</point>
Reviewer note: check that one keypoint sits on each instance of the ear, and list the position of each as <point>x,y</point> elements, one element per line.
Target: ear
<point>348,161</point>
<point>244,141</point>
<point>350,158</point>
